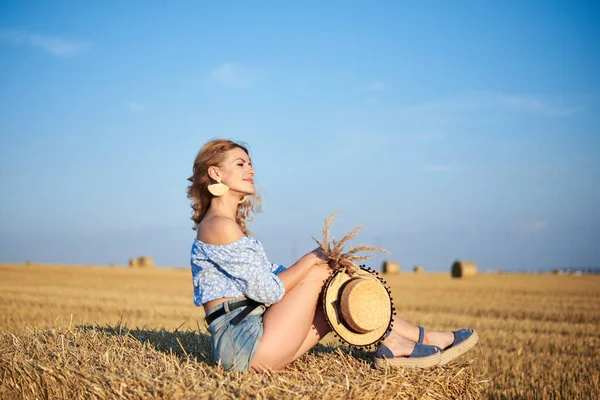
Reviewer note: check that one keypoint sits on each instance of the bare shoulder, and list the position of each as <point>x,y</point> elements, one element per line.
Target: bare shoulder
<point>219,231</point>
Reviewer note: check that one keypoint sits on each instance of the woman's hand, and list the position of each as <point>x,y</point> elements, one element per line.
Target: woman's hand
<point>321,256</point>
<point>323,260</point>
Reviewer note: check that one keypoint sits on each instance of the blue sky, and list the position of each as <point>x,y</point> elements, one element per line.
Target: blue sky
<point>455,130</point>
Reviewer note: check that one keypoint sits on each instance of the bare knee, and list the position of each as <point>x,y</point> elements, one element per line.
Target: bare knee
<point>318,273</point>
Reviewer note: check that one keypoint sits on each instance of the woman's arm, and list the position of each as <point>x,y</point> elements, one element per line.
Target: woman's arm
<point>251,272</point>
<point>294,274</point>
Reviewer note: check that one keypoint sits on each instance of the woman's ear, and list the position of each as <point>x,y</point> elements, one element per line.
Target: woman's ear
<point>214,173</point>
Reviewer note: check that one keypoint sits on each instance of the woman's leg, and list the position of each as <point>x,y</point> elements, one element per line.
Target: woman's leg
<point>400,344</point>
<point>295,324</point>
<point>317,331</point>
<point>288,323</point>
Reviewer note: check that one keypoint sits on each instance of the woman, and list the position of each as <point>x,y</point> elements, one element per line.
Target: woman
<point>262,315</point>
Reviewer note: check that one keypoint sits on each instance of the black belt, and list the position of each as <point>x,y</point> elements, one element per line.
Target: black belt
<point>250,305</point>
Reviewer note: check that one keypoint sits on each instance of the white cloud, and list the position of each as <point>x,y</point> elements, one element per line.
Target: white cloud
<point>534,104</point>
<point>376,86</point>
<point>136,106</point>
<point>445,106</point>
<point>428,137</point>
<point>354,144</point>
<point>371,100</point>
<point>55,45</point>
<point>226,73</point>
<point>373,88</point>
<point>530,228</point>
<point>438,168</point>
<point>234,75</point>
<point>490,101</point>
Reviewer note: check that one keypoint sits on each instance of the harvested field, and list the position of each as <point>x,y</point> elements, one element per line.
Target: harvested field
<point>93,332</point>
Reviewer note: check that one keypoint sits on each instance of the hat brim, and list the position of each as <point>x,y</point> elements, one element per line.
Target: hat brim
<point>331,294</point>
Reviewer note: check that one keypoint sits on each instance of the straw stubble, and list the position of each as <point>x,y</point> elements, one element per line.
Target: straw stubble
<point>538,339</point>
<point>115,362</point>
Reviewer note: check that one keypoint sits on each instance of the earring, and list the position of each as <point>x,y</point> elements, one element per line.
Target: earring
<point>243,200</point>
<point>218,189</point>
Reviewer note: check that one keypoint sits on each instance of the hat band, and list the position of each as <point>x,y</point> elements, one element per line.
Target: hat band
<point>338,310</point>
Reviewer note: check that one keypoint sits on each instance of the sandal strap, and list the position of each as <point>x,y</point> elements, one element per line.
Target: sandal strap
<point>421,334</point>
<point>383,351</point>
<point>420,350</point>
<point>424,350</point>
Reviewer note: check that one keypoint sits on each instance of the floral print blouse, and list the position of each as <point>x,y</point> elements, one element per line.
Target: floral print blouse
<point>236,269</point>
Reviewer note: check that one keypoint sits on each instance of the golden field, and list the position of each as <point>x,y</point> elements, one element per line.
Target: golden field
<point>99,332</point>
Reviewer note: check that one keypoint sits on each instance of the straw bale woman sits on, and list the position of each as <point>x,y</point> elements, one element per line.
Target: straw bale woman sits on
<point>264,316</point>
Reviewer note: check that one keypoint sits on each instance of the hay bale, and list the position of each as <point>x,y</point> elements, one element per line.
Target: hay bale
<point>133,263</point>
<point>418,269</point>
<point>391,267</point>
<point>464,269</point>
<point>145,262</point>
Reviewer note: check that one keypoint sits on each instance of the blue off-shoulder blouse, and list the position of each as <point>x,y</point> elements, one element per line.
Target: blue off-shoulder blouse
<point>236,269</point>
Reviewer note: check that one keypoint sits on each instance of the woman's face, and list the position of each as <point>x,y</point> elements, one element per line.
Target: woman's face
<point>237,172</point>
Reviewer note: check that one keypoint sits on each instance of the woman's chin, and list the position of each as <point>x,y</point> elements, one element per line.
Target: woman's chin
<point>246,192</point>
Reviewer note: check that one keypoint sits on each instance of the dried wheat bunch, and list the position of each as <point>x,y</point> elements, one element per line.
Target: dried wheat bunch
<point>338,258</point>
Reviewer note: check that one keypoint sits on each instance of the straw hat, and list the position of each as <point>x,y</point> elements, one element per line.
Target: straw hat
<point>359,309</point>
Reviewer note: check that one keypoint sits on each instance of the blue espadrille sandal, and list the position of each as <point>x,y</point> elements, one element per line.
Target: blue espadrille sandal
<point>464,340</point>
<point>423,356</point>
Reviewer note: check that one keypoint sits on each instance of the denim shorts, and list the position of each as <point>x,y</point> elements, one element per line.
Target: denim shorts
<point>234,345</point>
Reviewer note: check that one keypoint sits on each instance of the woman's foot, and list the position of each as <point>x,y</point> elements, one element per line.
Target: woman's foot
<point>453,343</point>
<point>464,340</point>
<point>441,339</point>
<point>397,351</point>
<point>399,346</point>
